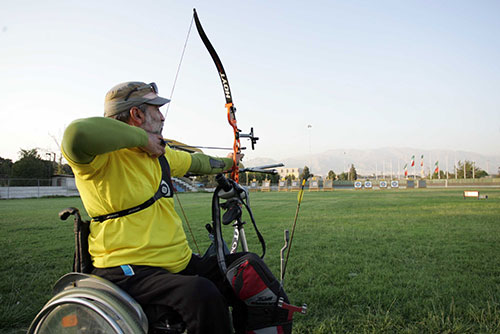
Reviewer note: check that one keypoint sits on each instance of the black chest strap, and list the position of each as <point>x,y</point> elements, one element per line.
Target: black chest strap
<point>165,189</point>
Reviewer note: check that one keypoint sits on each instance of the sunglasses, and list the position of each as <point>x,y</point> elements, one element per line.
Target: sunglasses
<point>151,86</point>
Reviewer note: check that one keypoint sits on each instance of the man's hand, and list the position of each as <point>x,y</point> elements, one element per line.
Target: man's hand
<point>239,157</point>
<point>155,146</point>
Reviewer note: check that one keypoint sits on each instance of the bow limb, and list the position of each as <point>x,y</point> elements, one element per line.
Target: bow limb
<point>231,110</point>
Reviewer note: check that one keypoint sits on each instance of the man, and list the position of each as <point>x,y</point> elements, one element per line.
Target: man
<point>136,238</point>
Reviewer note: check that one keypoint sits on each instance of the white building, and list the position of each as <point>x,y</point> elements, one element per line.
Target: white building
<point>284,172</point>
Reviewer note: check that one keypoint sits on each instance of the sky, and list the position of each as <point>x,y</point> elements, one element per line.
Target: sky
<point>307,76</point>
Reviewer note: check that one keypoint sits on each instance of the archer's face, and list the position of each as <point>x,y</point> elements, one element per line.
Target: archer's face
<point>154,120</point>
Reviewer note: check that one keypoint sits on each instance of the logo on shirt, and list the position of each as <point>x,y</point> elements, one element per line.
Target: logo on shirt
<point>165,189</point>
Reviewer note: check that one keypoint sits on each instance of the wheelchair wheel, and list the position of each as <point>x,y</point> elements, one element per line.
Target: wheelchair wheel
<point>85,304</point>
<point>82,311</point>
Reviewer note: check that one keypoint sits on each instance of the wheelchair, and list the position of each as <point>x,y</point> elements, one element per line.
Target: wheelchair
<point>88,304</point>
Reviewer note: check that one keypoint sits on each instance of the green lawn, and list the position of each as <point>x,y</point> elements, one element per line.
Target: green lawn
<point>402,261</point>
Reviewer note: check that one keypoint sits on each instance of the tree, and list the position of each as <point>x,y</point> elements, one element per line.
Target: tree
<point>66,169</point>
<point>31,165</point>
<point>5,167</point>
<point>255,176</point>
<point>442,175</point>
<point>289,178</point>
<point>469,166</point>
<point>481,173</point>
<point>343,176</point>
<point>331,175</point>
<point>353,175</point>
<point>207,180</point>
<point>306,174</point>
<point>243,178</point>
<point>5,171</point>
<point>274,178</point>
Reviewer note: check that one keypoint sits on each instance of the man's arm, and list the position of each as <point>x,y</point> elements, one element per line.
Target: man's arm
<point>86,138</point>
<point>205,164</point>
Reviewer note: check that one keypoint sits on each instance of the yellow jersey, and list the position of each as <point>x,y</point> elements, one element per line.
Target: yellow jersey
<point>120,180</point>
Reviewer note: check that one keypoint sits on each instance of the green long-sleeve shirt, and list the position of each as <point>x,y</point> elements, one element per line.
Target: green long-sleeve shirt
<point>86,138</point>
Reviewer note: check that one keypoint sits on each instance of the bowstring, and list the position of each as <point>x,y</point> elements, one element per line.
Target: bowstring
<point>168,106</point>
<point>187,223</point>
<point>179,67</point>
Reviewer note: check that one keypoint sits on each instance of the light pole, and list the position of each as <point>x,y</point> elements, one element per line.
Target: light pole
<point>343,167</point>
<point>309,127</point>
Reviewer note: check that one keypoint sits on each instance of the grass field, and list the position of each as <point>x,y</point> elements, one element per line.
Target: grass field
<point>407,261</point>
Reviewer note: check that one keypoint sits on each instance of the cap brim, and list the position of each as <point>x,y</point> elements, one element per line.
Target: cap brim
<point>158,101</point>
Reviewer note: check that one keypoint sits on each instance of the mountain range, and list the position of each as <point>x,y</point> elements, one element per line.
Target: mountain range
<point>388,159</point>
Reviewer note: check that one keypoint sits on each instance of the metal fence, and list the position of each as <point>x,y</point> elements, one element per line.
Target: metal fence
<point>36,188</point>
<point>65,186</point>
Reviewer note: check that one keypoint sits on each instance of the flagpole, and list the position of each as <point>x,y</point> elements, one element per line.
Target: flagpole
<point>447,172</point>
<point>414,170</point>
<point>455,165</point>
<point>430,166</point>
<point>422,166</point>
<point>399,170</point>
<point>344,164</point>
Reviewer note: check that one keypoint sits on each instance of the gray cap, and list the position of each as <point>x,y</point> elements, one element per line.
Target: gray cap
<point>130,94</point>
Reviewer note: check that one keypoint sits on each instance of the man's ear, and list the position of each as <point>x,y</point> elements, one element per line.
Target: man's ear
<point>137,117</point>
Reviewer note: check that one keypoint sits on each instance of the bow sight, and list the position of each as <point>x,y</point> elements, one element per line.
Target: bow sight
<point>250,136</point>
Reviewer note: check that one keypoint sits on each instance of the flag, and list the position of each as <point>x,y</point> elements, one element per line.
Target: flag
<point>422,161</point>
<point>436,168</point>
<point>406,170</point>
<point>412,160</point>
